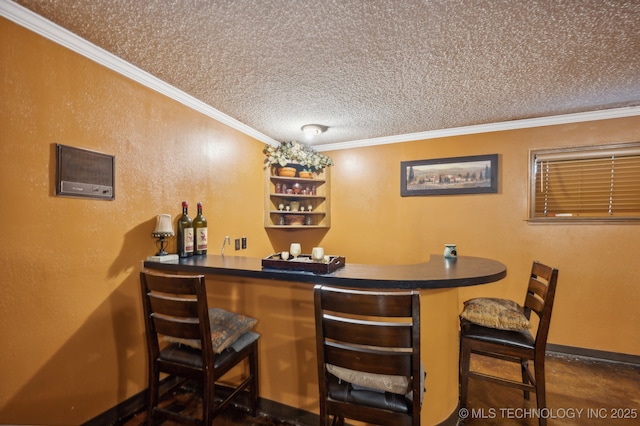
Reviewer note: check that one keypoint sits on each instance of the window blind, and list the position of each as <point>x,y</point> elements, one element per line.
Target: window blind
<point>596,182</point>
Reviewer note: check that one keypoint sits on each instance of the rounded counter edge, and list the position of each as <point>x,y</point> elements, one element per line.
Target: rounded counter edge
<point>437,273</point>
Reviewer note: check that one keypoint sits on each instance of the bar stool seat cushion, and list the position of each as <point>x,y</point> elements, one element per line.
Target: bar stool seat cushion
<point>341,390</point>
<point>383,382</point>
<point>502,314</point>
<point>400,385</point>
<point>226,328</point>
<point>185,354</point>
<point>520,339</point>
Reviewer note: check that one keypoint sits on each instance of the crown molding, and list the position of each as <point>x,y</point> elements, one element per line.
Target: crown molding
<point>39,25</point>
<point>36,23</point>
<point>487,128</point>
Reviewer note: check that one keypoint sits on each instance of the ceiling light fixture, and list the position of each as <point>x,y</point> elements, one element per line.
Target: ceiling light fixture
<point>313,129</point>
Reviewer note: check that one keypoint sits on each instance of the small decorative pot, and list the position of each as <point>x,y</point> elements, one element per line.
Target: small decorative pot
<point>294,219</point>
<point>305,174</point>
<point>287,171</point>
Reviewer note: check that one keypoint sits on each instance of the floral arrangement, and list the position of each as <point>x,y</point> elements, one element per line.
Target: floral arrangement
<point>296,152</point>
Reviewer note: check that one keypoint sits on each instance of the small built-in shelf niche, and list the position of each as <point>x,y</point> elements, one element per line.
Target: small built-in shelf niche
<point>313,192</point>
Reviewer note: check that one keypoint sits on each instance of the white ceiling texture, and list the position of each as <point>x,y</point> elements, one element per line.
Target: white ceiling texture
<point>374,70</point>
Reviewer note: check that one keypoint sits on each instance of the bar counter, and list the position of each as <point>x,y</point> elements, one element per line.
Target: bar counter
<point>438,272</point>
<point>282,301</point>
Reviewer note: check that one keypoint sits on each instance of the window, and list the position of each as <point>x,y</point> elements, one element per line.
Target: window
<point>598,183</point>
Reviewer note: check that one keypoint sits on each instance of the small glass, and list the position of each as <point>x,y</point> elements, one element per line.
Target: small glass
<point>317,254</point>
<point>295,249</point>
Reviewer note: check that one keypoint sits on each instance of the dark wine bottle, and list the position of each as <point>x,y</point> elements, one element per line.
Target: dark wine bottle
<point>185,232</point>
<point>200,230</point>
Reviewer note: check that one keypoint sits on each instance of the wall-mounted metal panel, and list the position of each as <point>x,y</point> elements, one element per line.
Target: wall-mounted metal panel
<point>84,173</point>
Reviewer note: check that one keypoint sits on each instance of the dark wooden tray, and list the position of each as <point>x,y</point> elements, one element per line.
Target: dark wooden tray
<point>304,263</point>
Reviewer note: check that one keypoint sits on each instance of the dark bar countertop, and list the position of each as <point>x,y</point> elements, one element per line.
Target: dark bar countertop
<point>438,272</point>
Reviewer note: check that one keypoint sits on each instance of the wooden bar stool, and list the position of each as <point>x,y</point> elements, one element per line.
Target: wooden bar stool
<point>498,328</point>
<point>198,343</point>
<point>368,345</point>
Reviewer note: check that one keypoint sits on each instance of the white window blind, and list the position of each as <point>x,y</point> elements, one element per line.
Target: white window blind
<point>601,182</point>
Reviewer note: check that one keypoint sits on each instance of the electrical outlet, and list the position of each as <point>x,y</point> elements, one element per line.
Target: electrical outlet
<point>237,243</point>
<point>244,243</point>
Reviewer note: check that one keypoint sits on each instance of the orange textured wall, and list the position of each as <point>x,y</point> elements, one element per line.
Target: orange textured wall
<point>598,280</point>
<point>598,283</point>
<point>70,306</point>
<point>70,312</point>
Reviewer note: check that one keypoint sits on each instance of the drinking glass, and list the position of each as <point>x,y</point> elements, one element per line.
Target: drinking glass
<point>295,250</point>
<point>317,254</point>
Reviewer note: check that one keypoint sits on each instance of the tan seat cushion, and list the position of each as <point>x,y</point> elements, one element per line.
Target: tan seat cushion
<point>502,314</point>
<point>400,385</point>
<point>226,328</point>
<point>394,384</point>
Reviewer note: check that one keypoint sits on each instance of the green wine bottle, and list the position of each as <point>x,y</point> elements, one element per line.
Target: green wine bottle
<point>185,232</point>
<point>200,230</point>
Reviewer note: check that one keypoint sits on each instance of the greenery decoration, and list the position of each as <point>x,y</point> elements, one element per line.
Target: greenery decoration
<point>296,152</point>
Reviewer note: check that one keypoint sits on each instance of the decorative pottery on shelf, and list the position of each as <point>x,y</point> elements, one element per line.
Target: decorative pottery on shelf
<point>305,174</point>
<point>287,171</point>
<point>294,219</point>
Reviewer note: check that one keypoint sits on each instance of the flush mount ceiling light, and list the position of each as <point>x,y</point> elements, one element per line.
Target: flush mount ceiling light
<point>313,129</point>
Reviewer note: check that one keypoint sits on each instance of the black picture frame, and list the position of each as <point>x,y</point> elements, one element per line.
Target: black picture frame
<point>475,174</point>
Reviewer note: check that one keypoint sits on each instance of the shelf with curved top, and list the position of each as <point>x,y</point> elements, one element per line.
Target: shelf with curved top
<point>298,212</point>
<point>296,179</point>
<point>312,192</point>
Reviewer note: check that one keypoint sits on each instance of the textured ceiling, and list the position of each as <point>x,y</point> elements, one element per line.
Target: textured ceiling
<point>373,68</point>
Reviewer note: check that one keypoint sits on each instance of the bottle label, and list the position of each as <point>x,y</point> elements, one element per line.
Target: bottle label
<point>201,239</point>
<point>188,240</point>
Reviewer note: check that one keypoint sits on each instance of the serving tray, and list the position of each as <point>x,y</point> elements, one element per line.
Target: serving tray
<point>303,263</point>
